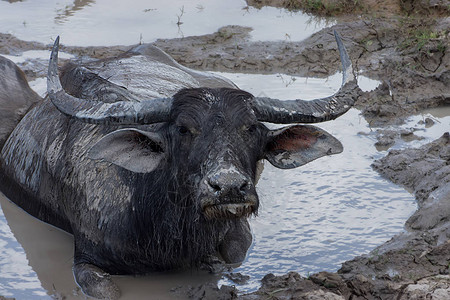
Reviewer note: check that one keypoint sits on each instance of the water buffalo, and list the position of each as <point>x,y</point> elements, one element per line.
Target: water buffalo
<point>152,166</point>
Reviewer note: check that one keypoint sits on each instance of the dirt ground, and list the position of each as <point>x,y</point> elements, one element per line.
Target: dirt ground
<point>405,45</point>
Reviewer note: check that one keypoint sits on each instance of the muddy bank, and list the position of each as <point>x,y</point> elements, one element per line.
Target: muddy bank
<point>351,7</point>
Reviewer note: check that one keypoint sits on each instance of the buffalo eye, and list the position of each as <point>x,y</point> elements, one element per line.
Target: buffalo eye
<point>252,128</point>
<point>249,128</point>
<point>183,130</point>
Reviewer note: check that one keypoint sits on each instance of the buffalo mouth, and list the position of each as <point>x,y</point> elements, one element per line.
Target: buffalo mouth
<point>229,210</point>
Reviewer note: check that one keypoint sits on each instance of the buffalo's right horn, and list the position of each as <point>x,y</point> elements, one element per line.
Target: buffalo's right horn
<point>312,111</point>
<point>121,112</point>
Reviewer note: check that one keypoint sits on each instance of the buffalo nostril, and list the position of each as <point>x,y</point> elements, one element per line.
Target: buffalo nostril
<point>225,185</point>
<point>244,187</point>
<point>215,187</point>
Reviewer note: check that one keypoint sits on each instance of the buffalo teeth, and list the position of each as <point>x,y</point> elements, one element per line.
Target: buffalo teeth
<point>232,209</point>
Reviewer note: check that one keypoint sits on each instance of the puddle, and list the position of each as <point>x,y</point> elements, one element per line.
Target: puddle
<point>416,131</point>
<point>286,87</point>
<point>16,275</point>
<point>118,22</point>
<point>438,112</point>
<point>423,132</point>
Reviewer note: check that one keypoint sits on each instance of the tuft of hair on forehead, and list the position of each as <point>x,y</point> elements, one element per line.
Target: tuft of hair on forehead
<point>209,96</point>
<point>205,99</point>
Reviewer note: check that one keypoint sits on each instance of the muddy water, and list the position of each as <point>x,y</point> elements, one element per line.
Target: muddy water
<point>311,219</point>
<point>129,22</point>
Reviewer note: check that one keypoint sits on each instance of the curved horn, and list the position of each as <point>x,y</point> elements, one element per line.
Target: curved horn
<point>313,111</point>
<point>121,112</point>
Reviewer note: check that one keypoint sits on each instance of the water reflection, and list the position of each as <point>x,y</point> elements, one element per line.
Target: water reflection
<point>17,278</point>
<point>118,22</point>
<point>438,112</point>
<point>63,14</point>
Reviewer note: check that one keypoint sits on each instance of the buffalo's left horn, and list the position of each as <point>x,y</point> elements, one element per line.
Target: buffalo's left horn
<point>313,111</point>
<point>121,112</point>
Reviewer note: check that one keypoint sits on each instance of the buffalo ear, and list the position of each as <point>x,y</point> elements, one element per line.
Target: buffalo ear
<point>294,146</point>
<point>135,150</point>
